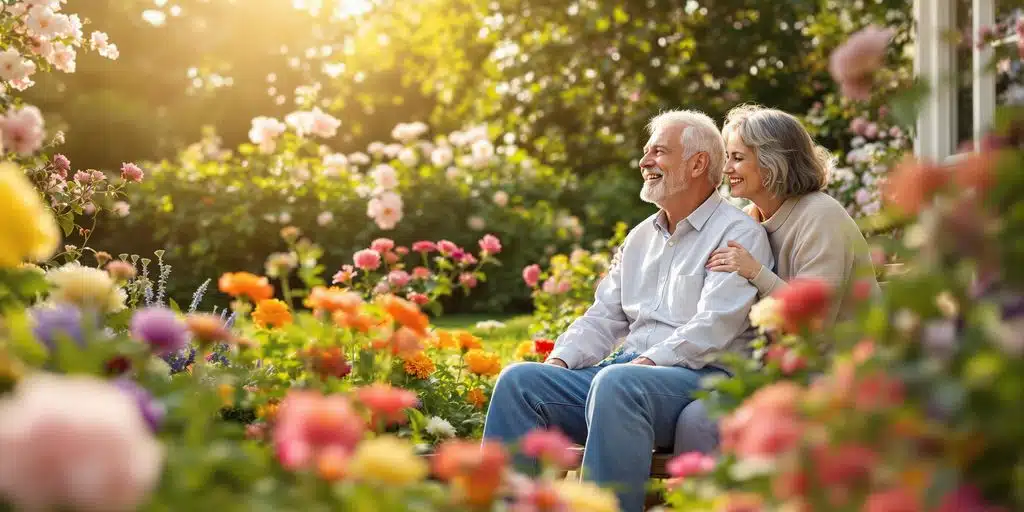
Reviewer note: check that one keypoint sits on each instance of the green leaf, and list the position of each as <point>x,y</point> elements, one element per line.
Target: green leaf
<point>67,223</point>
<point>906,104</point>
<point>173,305</point>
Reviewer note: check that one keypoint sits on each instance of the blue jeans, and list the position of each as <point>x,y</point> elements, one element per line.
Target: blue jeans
<point>619,412</point>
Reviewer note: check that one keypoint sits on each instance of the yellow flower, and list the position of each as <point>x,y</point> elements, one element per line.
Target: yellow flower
<point>272,313</point>
<point>586,496</point>
<point>483,363</point>
<point>387,460</point>
<point>29,230</point>
<point>419,366</point>
<point>765,315</point>
<point>86,287</point>
<point>524,350</point>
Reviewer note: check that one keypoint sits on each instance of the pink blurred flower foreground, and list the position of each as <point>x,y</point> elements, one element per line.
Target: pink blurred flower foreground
<point>75,442</point>
<point>311,426</point>
<point>853,64</point>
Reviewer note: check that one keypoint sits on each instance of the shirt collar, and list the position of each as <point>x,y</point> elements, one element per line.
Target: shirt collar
<point>697,218</point>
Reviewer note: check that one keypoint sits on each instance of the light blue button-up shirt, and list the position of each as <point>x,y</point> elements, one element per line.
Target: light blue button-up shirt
<point>663,301</point>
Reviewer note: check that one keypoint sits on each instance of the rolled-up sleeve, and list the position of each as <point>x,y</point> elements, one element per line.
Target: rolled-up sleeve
<point>722,312</point>
<point>592,337</point>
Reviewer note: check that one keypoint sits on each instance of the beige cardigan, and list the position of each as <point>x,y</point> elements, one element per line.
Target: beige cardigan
<point>813,236</point>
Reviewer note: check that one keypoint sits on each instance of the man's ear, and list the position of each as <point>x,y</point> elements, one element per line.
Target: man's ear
<point>699,164</point>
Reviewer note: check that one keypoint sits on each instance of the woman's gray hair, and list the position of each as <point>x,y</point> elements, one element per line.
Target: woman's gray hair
<point>791,163</point>
<point>700,134</point>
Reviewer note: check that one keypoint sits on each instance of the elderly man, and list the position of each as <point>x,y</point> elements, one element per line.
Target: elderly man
<point>674,315</point>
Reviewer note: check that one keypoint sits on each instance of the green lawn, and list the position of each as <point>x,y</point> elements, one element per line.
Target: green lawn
<point>516,328</point>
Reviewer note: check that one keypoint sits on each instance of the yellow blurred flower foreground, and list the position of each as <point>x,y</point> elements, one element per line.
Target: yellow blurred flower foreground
<point>28,230</point>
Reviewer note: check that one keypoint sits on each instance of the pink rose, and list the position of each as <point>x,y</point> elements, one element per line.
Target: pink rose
<point>551,447</point>
<point>131,172</point>
<point>398,278</point>
<point>421,273</point>
<point>854,63</point>
<point>424,246</point>
<point>75,442</point>
<point>468,280</point>
<point>418,298</point>
<point>391,258</point>
<point>563,287</point>
<point>858,125</point>
<point>344,275</point>
<point>446,247</point>
<point>689,464</point>
<point>531,275</point>
<point>382,245</point>
<point>490,244</point>
<point>367,259</point>
<point>401,250</point>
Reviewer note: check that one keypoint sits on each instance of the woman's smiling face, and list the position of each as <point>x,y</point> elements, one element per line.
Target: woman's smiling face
<point>741,168</point>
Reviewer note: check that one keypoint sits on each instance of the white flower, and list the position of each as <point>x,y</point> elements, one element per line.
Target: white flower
<point>359,158</point>
<point>441,156</point>
<point>86,287</point>
<point>489,325</point>
<point>482,151</point>
<point>408,157</point>
<point>765,315</point>
<point>476,223</point>
<point>324,218</point>
<point>385,210</point>
<point>439,428</point>
<point>500,198</point>
<point>335,164</point>
<point>385,176</point>
<point>121,208</point>
<point>265,131</point>
<point>405,132</point>
<point>12,65</point>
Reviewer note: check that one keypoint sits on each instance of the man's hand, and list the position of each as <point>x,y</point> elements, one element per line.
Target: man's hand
<point>644,361</point>
<point>556,362</point>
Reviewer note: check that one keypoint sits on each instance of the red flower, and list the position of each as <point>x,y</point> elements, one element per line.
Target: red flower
<point>804,303</point>
<point>543,346</point>
<point>689,464</point>
<point>550,446</point>
<point>388,404</point>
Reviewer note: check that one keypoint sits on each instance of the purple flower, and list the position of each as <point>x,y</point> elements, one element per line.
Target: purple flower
<point>49,323</point>
<point>161,328</point>
<point>151,409</point>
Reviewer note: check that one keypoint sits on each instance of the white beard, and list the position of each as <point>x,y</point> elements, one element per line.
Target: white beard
<point>659,190</point>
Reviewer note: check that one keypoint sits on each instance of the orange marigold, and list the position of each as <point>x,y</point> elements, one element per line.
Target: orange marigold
<point>332,299</point>
<point>477,397</point>
<point>407,314</point>
<point>483,363</point>
<point>357,321</point>
<point>443,340</point>
<point>271,313</point>
<point>419,366</point>
<point>238,284</point>
<point>467,341</point>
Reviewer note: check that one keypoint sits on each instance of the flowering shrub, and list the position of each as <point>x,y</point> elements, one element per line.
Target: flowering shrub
<point>456,187</point>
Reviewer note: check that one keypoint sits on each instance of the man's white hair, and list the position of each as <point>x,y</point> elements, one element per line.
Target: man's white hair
<point>700,134</point>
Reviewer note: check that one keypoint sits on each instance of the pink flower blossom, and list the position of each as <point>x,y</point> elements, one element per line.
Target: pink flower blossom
<point>490,244</point>
<point>424,246</point>
<point>531,275</point>
<point>551,447</point>
<point>446,247</point>
<point>468,259</point>
<point>398,278</point>
<point>563,287</point>
<point>384,176</point>
<point>858,125</point>
<point>385,210</point>
<point>344,275</point>
<point>265,131</point>
<point>421,273</point>
<point>418,298</point>
<point>468,280</point>
<point>689,464</point>
<point>893,500</point>
<point>75,442</point>
<point>391,258</point>
<point>23,130</point>
<point>853,64</point>
<point>310,424</point>
<point>401,250</point>
<point>382,245</point>
<point>500,198</point>
<point>388,404</point>
<point>131,172</point>
<point>367,259</point>
<point>62,164</point>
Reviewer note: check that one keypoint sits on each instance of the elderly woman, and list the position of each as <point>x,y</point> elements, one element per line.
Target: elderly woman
<point>774,163</point>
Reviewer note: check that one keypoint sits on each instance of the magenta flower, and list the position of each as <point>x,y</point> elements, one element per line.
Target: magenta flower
<point>367,259</point>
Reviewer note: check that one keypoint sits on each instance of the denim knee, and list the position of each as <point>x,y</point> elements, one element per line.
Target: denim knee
<point>695,430</point>
<point>615,383</point>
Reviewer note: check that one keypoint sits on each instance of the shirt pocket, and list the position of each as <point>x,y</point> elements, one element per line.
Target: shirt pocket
<point>684,294</point>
